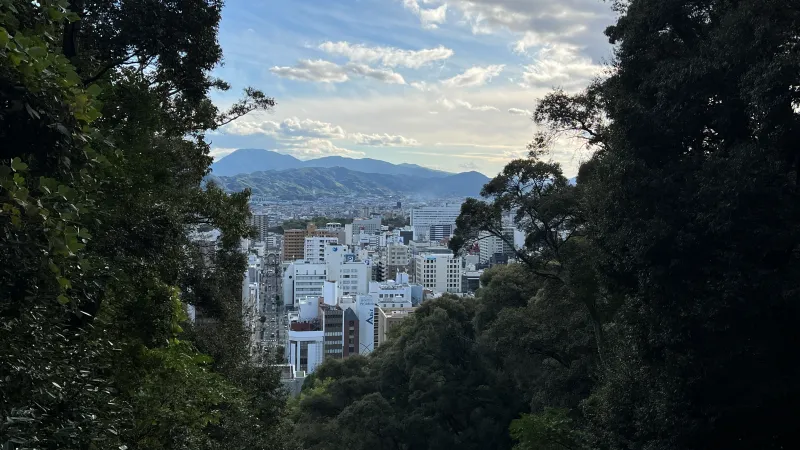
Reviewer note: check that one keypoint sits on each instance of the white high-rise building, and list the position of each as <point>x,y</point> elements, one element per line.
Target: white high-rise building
<point>303,279</point>
<point>315,248</point>
<point>438,272</point>
<point>353,276</point>
<point>422,218</point>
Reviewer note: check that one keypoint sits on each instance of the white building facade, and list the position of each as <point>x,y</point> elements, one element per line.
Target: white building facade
<point>314,251</point>
<point>422,218</point>
<point>438,272</point>
<point>303,279</point>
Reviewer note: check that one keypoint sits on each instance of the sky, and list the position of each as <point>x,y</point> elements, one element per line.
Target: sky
<point>446,84</point>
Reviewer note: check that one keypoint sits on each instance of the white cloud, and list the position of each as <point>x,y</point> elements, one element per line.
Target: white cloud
<point>451,105</point>
<point>313,70</point>
<point>317,148</point>
<point>328,72</point>
<point>542,16</point>
<point>386,56</point>
<point>289,129</point>
<point>385,75</point>
<point>474,76</point>
<point>424,86</point>
<point>383,140</point>
<point>560,64</point>
<point>520,112</point>
<point>472,107</point>
<point>468,166</point>
<point>428,17</point>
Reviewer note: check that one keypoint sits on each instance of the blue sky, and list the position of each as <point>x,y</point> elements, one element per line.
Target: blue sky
<point>444,84</point>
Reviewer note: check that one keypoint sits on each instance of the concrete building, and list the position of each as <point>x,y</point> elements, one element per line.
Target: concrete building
<point>353,276</point>
<point>314,250</point>
<point>305,336</point>
<point>332,326</point>
<point>388,318</point>
<point>301,279</point>
<point>294,244</point>
<point>439,232</point>
<point>365,226</point>
<point>422,218</point>
<point>438,272</point>
<point>261,224</point>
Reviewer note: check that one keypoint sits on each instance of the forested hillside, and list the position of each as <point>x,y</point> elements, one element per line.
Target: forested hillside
<point>657,299</point>
<point>103,110</point>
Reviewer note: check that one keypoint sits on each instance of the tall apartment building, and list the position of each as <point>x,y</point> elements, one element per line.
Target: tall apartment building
<point>261,224</point>
<point>294,244</point>
<point>438,272</point>
<point>314,251</point>
<point>422,218</point>
<point>303,279</point>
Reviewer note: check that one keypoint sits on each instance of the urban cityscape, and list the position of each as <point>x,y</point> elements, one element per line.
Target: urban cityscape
<point>333,290</point>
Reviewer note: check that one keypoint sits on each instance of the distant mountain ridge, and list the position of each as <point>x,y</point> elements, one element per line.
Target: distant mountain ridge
<point>250,160</point>
<point>314,182</point>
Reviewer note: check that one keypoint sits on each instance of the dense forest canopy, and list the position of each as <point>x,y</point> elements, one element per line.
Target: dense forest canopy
<point>654,304</point>
<point>102,122</point>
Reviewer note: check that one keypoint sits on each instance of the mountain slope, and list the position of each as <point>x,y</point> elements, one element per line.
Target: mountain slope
<point>250,160</point>
<point>311,182</point>
<point>370,165</point>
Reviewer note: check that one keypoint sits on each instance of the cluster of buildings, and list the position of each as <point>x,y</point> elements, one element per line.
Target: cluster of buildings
<point>337,290</point>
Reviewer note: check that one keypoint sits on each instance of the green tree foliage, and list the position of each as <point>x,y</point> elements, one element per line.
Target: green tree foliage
<point>101,166</point>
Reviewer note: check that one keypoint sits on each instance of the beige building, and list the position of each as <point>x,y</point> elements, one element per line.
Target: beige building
<point>386,319</point>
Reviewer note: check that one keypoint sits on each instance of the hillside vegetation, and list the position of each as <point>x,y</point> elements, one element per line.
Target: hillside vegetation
<point>313,182</point>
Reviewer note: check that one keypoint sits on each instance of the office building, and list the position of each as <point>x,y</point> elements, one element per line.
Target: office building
<point>438,272</point>
<point>352,275</point>
<point>314,251</point>
<point>422,218</point>
<point>301,279</point>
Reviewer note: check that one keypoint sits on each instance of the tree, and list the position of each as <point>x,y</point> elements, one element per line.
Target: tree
<point>102,122</point>
<point>692,206</point>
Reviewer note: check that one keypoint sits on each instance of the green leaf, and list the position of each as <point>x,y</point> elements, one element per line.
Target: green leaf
<point>94,90</point>
<point>63,299</point>
<point>18,165</point>
<point>64,283</point>
<point>4,37</point>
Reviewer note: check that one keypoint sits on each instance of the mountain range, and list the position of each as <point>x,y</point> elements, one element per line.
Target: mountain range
<point>313,182</point>
<point>284,177</point>
<point>249,160</point>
